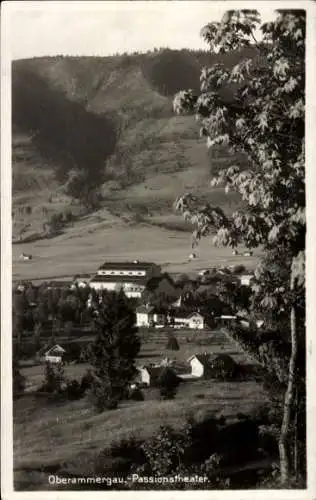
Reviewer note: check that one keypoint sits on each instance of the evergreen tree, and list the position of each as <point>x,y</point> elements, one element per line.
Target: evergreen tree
<point>172,344</point>
<point>112,355</point>
<point>168,383</point>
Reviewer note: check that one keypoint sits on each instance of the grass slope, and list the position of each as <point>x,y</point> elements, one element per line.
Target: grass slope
<point>49,435</point>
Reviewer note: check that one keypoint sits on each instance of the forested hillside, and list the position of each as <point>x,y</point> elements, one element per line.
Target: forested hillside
<point>91,132</point>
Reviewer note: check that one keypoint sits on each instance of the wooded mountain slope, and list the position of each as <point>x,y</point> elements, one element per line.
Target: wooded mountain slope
<point>109,122</point>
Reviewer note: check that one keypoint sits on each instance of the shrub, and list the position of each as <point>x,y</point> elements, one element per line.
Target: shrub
<point>223,366</point>
<point>168,383</point>
<point>86,381</point>
<point>240,268</point>
<point>73,390</point>
<point>136,394</point>
<point>54,378</point>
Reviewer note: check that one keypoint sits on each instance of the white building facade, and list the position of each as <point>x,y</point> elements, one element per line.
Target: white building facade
<point>194,321</point>
<point>131,277</point>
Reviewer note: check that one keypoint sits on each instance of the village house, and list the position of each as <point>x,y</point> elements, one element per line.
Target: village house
<point>131,277</point>
<point>200,365</point>
<point>148,375</point>
<point>25,256</point>
<point>211,366</point>
<point>53,354</point>
<point>193,320</point>
<point>147,315</point>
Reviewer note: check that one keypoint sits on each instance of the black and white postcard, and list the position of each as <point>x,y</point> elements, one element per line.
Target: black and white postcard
<point>158,258</point>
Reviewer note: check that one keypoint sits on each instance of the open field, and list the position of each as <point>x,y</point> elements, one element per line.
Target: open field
<point>83,248</point>
<point>48,435</point>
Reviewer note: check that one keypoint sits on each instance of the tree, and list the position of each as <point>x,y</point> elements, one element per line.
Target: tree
<point>54,377</point>
<point>164,452</point>
<point>263,117</point>
<point>113,353</point>
<point>168,383</point>
<point>172,344</point>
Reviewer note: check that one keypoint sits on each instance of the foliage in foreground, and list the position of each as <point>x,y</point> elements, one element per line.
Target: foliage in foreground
<point>265,120</point>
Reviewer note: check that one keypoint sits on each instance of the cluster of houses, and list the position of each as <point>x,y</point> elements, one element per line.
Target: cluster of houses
<point>148,316</point>
<point>198,366</point>
<point>135,278</point>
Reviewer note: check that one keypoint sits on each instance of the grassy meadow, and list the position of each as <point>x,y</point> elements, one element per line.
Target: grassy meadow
<point>85,246</point>
<point>52,436</point>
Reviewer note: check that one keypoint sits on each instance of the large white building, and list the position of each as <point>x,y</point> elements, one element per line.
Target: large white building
<point>131,277</point>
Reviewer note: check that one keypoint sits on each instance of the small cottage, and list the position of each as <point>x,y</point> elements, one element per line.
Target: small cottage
<point>25,256</point>
<point>200,365</point>
<point>193,320</point>
<point>148,375</point>
<point>145,315</point>
<point>211,366</point>
<point>52,354</point>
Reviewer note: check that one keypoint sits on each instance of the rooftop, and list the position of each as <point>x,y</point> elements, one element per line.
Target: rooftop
<point>134,264</point>
<point>145,309</point>
<point>186,314</point>
<point>205,359</point>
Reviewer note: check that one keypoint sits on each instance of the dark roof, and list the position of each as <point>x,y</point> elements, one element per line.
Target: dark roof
<point>154,282</point>
<point>186,314</point>
<point>156,371</point>
<point>205,359</point>
<point>128,265</point>
<point>144,309</point>
<point>47,348</point>
<point>139,280</point>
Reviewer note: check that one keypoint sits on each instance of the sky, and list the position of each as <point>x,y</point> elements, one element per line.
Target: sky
<point>104,28</point>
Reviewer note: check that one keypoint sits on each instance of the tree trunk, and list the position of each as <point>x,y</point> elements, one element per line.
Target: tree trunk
<point>296,451</point>
<point>284,450</point>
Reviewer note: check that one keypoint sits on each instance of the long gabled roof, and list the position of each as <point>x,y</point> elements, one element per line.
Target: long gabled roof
<point>126,266</point>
